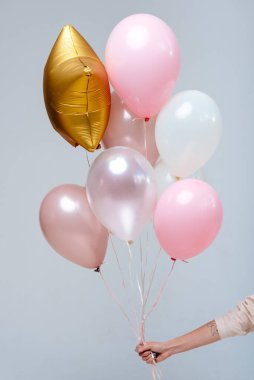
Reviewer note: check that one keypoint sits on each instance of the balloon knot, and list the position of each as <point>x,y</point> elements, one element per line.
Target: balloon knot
<point>147,119</point>
<point>97,270</point>
<point>172,258</point>
<point>98,147</point>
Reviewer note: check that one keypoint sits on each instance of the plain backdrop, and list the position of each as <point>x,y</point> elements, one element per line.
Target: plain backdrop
<point>56,319</point>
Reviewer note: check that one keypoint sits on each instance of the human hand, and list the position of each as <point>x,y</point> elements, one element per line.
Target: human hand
<point>145,352</point>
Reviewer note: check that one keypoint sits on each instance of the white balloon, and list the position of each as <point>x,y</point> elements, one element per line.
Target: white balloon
<point>188,130</point>
<point>163,177</point>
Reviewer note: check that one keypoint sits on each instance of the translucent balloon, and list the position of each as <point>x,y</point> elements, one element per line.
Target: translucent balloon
<point>124,129</point>
<point>121,189</point>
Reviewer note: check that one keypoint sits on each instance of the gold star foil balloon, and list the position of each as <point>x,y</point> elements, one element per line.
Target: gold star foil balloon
<point>76,90</point>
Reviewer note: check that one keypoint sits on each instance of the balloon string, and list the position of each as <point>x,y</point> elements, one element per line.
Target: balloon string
<point>145,137</point>
<point>144,294</point>
<point>154,377</point>
<point>155,372</point>
<point>161,291</point>
<point>141,265</point>
<point>130,264</point>
<point>87,159</point>
<point>124,285</point>
<point>142,322</point>
<point>141,293</point>
<point>146,259</point>
<point>152,276</point>
<point>117,261</point>
<point>130,270</point>
<point>117,302</point>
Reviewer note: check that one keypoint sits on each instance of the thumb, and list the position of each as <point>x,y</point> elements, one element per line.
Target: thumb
<point>147,346</point>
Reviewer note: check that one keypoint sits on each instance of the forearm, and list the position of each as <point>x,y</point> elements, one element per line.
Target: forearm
<point>202,336</point>
<point>239,321</point>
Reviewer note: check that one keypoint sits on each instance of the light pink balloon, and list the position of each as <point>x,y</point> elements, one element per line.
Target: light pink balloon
<point>124,129</point>
<point>187,218</point>
<point>142,61</point>
<point>121,189</point>
<point>71,228</point>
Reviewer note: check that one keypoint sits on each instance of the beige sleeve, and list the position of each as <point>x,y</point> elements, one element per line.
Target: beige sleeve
<point>238,321</point>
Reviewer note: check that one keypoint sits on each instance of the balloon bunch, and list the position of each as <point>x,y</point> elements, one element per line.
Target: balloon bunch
<point>154,144</point>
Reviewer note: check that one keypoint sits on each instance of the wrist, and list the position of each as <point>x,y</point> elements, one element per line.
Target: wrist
<point>173,346</point>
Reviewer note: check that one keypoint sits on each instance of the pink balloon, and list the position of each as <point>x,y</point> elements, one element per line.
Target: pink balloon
<point>142,61</point>
<point>71,228</point>
<point>187,218</point>
<point>124,129</point>
<point>121,189</point>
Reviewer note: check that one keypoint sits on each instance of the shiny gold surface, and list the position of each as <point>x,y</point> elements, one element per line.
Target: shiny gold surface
<point>76,90</point>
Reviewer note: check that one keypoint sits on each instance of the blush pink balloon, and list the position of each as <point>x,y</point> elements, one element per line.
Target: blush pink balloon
<point>124,129</point>
<point>187,218</point>
<point>71,228</point>
<point>142,61</point>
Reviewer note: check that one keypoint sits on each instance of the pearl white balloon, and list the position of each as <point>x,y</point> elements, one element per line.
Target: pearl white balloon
<point>121,190</point>
<point>188,130</point>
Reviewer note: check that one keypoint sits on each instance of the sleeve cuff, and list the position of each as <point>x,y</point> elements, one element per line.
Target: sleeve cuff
<point>238,321</point>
